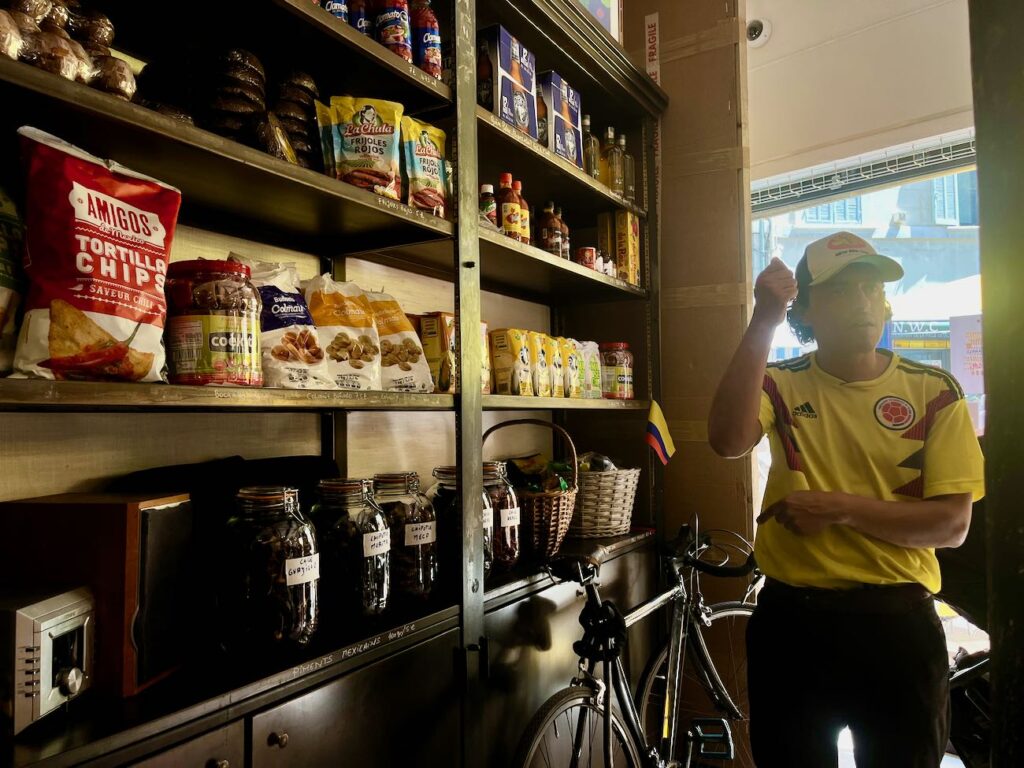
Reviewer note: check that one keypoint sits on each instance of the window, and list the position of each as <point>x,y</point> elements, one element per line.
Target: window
<point>837,212</point>
<point>967,198</point>
<point>944,200</point>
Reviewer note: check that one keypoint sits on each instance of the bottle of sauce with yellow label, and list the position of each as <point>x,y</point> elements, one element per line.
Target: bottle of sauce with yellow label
<point>509,208</point>
<point>525,236</point>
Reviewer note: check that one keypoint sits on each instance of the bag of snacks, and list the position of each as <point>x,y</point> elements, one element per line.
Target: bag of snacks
<point>425,166</point>
<point>403,366</point>
<point>437,331</point>
<point>366,144</point>
<point>344,320</point>
<point>327,125</point>
<point>485,369</point>
<point>510,361</point>
<point>539,364</point>
<point>11,234</point>
<point>98,240</point>
<point>572,368</point>
<point>591,355</point>
<point>553,353</point>
<point>292,355</point>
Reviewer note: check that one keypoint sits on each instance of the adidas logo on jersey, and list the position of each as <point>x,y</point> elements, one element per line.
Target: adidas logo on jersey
<point>806,410</point>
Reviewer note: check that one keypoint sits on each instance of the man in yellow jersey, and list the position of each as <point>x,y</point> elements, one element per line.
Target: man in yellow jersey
<point>875,464</point>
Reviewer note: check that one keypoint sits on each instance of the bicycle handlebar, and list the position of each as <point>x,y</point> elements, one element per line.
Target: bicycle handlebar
<point>722,570</point>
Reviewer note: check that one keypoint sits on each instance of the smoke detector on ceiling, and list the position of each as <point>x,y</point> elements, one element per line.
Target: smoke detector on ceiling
<point>759,31</point>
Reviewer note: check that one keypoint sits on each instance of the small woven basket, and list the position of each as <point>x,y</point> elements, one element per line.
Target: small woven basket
<point>604,506</point>
<point>547,515</point>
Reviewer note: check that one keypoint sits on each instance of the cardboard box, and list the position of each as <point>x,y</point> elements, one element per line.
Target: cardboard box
<point>437,333</point>
<point>514,79</point>
<point>485,373</point>
<point>627,246</point>
<point>564,134</point>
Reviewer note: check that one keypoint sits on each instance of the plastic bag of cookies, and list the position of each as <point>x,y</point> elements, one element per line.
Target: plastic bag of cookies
<point>403,366</point>
<point>344,320</point>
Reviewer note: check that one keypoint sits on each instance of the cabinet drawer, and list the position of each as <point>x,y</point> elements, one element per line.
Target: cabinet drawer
<point>400,711</point>
<point>223,748</point>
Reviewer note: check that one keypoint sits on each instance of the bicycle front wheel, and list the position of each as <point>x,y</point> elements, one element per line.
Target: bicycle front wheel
<point>724,644</point>
<point>571,723</point>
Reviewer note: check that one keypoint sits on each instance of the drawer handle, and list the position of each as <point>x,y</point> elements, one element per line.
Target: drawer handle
<point>278,739</point>
<point>214,763</point>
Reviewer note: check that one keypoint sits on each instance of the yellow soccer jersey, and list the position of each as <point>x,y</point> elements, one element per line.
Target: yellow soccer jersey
<point>903,436</point>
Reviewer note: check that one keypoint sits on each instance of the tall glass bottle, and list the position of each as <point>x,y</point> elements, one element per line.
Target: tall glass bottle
<point>612,165</point>
<point>591,150</point>
<point>628,170</point>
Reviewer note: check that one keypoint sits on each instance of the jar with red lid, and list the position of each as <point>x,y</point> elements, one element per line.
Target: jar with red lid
<point>616,371</point>
<point>213,324</point>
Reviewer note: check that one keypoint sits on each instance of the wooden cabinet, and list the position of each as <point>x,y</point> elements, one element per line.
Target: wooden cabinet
<point>379,715</point>
<point>222,748</point>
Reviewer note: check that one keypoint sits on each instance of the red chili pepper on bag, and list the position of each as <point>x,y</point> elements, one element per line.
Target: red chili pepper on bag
<point>91,361</point>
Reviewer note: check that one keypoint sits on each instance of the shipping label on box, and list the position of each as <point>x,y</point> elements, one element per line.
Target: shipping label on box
<point>565,134</point>
<point>514,73</point>
<point>627,246</point>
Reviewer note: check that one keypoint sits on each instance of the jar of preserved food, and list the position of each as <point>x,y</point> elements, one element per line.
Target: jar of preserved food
<point>413,525</point>
<point>356,545</point>
<point>505,506</point>
<point>213,324</point>
<point>616,371</point>
<point>444,496</point>
<point>269,588</point>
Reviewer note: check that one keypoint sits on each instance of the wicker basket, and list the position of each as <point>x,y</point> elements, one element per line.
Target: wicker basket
<point>604,506</point>
<point>546,515</point>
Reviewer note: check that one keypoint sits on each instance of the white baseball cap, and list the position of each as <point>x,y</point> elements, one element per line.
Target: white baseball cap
<point>827,257</point>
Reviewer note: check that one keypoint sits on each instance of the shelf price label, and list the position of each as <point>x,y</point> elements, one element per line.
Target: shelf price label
<point>302,570</point>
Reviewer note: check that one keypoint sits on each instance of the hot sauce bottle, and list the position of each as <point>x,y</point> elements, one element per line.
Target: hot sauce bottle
<point>525,235</point>
<point>508,207</point>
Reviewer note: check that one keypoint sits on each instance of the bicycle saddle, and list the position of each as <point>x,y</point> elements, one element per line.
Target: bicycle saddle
<point>579,560</point>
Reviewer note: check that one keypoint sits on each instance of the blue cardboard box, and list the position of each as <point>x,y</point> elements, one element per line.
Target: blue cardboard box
<point>514,79</point>
<point>564,131</point>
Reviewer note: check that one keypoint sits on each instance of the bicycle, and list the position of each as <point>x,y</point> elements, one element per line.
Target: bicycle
<point>579,725</point>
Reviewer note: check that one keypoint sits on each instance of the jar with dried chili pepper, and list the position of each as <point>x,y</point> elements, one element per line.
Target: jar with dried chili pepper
<point>444,496</point>
<point>356,545</point>
<point>413,525</point>
<point>269,589</point>
<point>505,506</point>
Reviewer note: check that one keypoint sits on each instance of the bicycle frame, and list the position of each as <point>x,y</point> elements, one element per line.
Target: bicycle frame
<point>684,612</point>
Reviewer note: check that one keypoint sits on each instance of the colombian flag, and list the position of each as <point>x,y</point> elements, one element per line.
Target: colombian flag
<point>658,436</point>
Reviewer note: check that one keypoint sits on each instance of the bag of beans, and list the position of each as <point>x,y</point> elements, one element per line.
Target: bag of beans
<point>424,166</point>
<point>366,144</point>
<point>98,241</point>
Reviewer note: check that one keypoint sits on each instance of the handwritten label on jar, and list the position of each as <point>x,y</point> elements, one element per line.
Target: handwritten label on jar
<point>510,517</point>
<point>417,534</point>
<point>488,518</point>
<point>376,543</point>
<point>302,570</point>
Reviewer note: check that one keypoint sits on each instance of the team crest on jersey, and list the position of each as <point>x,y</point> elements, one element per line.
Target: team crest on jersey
<point>894,413</point>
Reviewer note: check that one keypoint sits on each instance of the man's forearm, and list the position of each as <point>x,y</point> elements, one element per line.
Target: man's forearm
<point>733,420</point>
<point>939,522</point>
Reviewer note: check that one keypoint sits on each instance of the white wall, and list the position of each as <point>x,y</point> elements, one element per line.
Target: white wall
<point>838,79</point>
